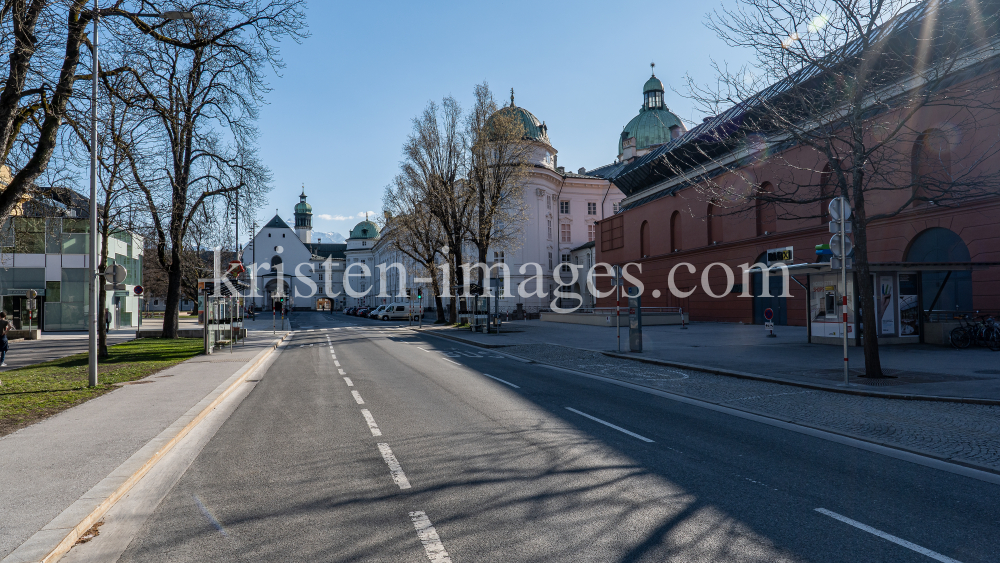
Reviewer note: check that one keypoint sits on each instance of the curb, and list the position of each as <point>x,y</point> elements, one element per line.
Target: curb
<point>57,537</point>
<point>753,376</point>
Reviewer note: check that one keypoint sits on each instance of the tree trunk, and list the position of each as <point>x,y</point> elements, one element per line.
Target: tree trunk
<point>102,300</point>
<point>173,302</point>
<point>865,290</point>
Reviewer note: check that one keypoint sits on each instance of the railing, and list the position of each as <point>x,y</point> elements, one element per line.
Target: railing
<point>955,316</point>
<point>611,310</point>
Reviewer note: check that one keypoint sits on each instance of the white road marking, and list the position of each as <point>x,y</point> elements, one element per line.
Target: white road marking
<point>898,541</point>
<point>349,382</point>
<point>342,372</point>
<point>502,381</point>
<point>336,363</point>
<point>424,349</point>
<point>447,360</point>
<point>397,472</point>
<point>357,397</point>
<point>609,425</point>
<point>371,422</point>
<point>429,537</point>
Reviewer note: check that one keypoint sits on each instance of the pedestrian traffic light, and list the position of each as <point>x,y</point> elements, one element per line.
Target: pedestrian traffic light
<point>407,293</point>
<point>420,293</point>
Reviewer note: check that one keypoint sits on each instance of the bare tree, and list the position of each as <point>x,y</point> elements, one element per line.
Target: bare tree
<point>201,105</point>
<point>413,230</point>
<point>837,104</point>
<point>498,167</point>
<point>432,168</point>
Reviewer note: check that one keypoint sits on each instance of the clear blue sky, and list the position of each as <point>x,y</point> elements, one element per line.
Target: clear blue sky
<point>338,115</point>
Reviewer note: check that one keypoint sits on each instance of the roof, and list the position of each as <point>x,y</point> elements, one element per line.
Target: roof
<point>276,223</point>
<point>651,127</point>
<point>583,246</point>
<point>716,135</point>
<point>533,129</point>
<point>327,250</point>
<point>652,85</point>
<point>302,206</point>
<point>364,230</point>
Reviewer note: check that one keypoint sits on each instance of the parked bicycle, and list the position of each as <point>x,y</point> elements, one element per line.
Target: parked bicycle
<point>984,332</point>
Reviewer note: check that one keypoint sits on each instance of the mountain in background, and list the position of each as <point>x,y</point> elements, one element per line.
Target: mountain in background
<point>328,238</point>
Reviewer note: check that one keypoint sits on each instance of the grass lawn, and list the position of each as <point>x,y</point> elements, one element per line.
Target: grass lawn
<point>32,393</point>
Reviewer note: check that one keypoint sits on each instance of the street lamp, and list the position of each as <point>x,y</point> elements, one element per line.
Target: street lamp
<point>96,280</point>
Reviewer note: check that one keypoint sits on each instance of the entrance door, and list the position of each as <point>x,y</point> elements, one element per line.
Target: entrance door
<point>776,304</point>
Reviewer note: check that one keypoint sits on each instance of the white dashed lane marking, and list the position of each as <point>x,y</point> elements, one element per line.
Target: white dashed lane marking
<point>394,468</point>
<point>429,538</point>
<point>357,397</point>
<point>349,382</point>
<point>371,422</point>
<point>341,372</point>
<point>502,381</point>
<point>609,425</point>
<point>889,537</point>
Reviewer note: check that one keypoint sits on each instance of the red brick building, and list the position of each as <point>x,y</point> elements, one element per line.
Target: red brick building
<point>929,260</point>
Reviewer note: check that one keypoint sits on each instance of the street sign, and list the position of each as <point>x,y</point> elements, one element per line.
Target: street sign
<point>768,314</point>
<point>114,287</point>
<point>769,325</point>
<point>235,268</point>
<point>834,209</point>
<point>115,274</point>
<point>137,290</point>
<point>835,245</point>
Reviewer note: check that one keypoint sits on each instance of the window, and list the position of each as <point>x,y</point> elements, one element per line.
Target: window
<point>565,262</point>
<point>268,235</point>
<point>282,235</point>
<point>319,289</point>
<point>548,201</point>
<point>321,276</point>
<point>498,257</point>
<point>400,308</point>
<point>931,166</point>
<point>550,229</point>
<point>591,232</point>
<point>614,208</point>
<point>591,208</point>
<point>675,231</point>
<point>563,206</point>
<point>714,225</point>
<point>564,233</point>
<point>550,260</point>
<point>644,239</point>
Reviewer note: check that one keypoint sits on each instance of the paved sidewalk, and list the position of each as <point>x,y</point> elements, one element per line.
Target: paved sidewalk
<point>920,369</point>
<point>47,467</point>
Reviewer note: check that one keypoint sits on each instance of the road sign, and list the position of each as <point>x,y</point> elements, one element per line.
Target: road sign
<point>769,325</point>
<point>835,245</point>
<point>768,314</point>
<point>235,268</point>
<point>115,274</point>
<point>834,209</point>
<point>138,290</point>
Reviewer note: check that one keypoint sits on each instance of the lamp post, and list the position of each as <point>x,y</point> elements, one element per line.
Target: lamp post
<point>96,279</point>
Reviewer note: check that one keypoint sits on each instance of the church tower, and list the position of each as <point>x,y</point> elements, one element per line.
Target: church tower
<point>303,218</point>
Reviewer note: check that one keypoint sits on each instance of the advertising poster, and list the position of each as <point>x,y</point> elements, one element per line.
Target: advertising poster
<point>886,305</point>
<point>909,311</point>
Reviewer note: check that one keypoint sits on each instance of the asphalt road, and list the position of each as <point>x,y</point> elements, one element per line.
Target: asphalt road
<point>484,458</point>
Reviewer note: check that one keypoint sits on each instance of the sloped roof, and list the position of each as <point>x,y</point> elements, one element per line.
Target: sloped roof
<point>276,223</point>
<point>327,250</point>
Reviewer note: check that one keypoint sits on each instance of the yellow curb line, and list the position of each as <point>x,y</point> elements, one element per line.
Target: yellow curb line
<point>74,534</point>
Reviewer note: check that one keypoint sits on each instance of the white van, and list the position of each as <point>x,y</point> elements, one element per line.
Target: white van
<point>401,310</point>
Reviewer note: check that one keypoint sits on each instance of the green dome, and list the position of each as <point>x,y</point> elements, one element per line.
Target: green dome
<point>652,85</point>
<point>303,207</point>
<point>650,127</point>
<point>364,229</point>
<point>533,129</point>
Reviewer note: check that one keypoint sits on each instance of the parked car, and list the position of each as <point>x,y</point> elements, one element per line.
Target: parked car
<point>350,310</point>
<point>361,311</point>
<point>401,310</point>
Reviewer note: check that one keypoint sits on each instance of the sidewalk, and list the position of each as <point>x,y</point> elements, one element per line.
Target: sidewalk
<point>920,370</point>
<point>61,469</point>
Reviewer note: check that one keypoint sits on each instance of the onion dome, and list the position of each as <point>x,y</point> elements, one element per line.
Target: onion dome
<point>655,124</point>
<point>533,129</point>
<point>364,230</point>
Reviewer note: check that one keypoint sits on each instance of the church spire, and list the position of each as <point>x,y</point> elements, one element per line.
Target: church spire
<point>512,98</point>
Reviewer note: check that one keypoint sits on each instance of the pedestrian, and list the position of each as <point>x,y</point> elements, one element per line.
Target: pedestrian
<point>107,320</point>
<point>4,327</point>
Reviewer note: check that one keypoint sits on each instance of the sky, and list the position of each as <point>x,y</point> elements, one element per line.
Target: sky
<point>338,114</point>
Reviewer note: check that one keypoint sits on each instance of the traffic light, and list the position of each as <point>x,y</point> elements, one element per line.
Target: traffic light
<point>407,293</point>
<point>476,289</point>
<point>420,293</point>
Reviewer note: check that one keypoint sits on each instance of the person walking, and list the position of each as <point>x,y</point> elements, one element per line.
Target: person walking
<point>4,328</point>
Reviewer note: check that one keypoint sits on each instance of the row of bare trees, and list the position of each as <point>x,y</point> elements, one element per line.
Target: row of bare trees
<point>177,108</point>
<point>460,189</point>
<point>839,102</point>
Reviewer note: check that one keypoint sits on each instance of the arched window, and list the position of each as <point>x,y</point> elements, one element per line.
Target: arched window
<point>675,231</point>
<point>766,216</point>
<point>644,239</point>
<point>714,226</point>
<point>942,290</point>
<point>930,166</point>
<point>826,191</point>
<point>275,260</point>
